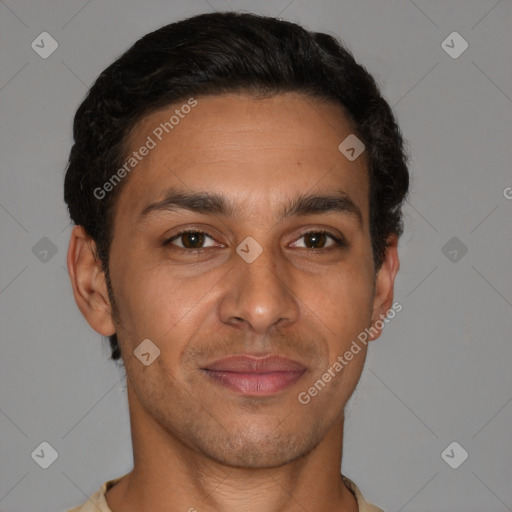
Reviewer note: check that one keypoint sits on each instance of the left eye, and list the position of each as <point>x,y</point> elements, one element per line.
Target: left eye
<point>320,237</point>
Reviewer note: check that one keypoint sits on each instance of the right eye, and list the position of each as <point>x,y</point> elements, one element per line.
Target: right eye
<point>190,240</point>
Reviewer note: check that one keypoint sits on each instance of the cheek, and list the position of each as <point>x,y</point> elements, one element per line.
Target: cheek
<point>151,304</point>
<point>340,308</point>
<point>143,293</point>
<point>156,302</point>
<point>341,299</point>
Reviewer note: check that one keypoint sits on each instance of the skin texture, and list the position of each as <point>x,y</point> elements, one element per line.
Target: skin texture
<point>197,444</point>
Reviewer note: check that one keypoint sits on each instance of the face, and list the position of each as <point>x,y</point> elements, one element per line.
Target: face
<point>282,282</point>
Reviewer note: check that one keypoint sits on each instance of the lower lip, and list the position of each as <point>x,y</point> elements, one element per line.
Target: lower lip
<point>256,384</point>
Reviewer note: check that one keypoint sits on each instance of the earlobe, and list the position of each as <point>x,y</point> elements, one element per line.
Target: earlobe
<point>89,283</point>
<point>384,285</point>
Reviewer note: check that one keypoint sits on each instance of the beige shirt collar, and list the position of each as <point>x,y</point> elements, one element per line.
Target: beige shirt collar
<point>98,503</point>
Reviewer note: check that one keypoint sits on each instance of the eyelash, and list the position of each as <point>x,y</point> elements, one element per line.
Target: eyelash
<point>339,242</point>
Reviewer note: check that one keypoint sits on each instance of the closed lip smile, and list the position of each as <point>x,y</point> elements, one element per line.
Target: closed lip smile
<point>255,376</point>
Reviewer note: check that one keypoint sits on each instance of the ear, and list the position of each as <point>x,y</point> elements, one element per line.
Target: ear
<point>89,283</point>
<point>384,285</point>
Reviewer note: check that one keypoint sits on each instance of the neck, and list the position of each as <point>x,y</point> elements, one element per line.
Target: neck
<point>170,476</point>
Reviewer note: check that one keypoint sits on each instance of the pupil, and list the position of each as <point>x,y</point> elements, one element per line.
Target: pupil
<point>199,237</point>
<point>316,237</point>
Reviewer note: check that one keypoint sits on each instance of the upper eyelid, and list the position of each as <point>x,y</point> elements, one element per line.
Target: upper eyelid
<point>185,231</point>
<point>168,241</point>
<point>325,231</point>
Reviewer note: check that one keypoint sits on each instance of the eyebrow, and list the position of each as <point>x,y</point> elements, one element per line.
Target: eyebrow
<point>215,204</point>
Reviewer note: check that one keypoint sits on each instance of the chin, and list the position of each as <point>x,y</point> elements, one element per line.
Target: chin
<point>271,450</point>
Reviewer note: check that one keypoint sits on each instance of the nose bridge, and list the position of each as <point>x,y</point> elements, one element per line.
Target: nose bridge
<point>259,293</point>
<point>263,268</point>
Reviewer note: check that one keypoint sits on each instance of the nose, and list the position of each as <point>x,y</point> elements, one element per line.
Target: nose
<point>259,295</point>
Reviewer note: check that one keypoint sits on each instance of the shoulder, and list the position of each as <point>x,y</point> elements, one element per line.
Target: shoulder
<point>96,502</point>
<point>364,506</point>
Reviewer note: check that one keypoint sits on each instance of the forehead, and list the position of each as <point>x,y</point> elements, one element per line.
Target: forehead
<point>254,150</point>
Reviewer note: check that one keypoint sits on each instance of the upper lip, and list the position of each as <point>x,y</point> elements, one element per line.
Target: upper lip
<point>252,364</point>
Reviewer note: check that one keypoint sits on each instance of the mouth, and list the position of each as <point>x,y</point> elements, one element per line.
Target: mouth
<point>255,376</point>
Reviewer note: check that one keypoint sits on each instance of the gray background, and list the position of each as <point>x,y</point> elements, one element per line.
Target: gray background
<point>441,370</point>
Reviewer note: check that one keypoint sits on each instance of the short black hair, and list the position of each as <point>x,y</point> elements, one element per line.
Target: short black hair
<point>223,52</point>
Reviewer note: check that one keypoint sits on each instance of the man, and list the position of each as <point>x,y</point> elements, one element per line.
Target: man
<point>236,185</point>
